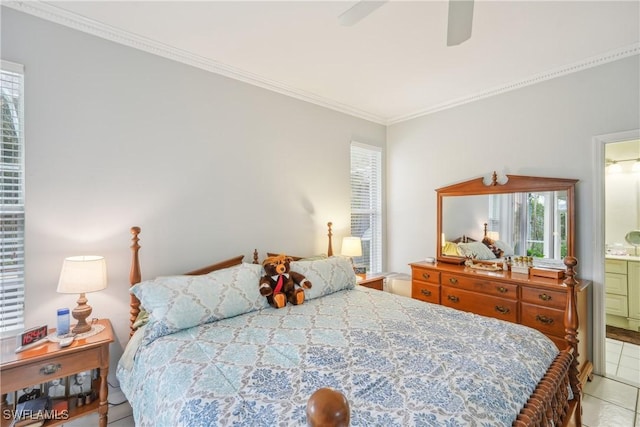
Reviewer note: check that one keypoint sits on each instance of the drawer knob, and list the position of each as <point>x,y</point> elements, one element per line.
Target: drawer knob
<point>502,309</point>
<point>425,292</point>
<point>453,298</point>
<point>544,297</point>
<point>502,289</point>
<point>50,369</point>
<point>544,319</point>
<point>453,280</point>
<point>426,276</point>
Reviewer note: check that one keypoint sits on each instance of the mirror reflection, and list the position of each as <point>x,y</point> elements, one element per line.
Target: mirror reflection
<point>524,223</point>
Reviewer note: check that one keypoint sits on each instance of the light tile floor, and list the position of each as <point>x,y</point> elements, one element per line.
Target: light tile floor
<point>623,361</point>
<point>610,403</point>
<point>607,402</point>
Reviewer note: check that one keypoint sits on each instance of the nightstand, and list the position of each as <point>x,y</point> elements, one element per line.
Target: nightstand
<point>47,362</point>
<point>372,281</point>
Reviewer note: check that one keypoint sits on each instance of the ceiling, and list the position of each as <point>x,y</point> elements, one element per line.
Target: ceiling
<point>391,66</point>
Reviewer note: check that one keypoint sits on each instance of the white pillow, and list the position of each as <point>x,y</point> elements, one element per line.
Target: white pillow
<point>476,250</point>
<point>505,247</point>
<point>180,302</point>
<point>326,275</point>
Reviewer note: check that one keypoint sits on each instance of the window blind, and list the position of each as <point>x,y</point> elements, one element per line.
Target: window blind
<point>12,199</point>
<point>366,203</point>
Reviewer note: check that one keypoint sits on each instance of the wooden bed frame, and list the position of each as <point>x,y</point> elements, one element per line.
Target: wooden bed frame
<point>548,405</point>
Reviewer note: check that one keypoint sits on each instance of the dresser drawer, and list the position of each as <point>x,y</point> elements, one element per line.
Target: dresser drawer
<point>485,305</point>
<point>618,305</point>
<point>54,367</point>
<point>424,291</point>
<point>615,266</point>
<point>544,297</point>
<point>502,290</point>
<point>547,320</point>
<point>425,275</point>
<point>615,283</point>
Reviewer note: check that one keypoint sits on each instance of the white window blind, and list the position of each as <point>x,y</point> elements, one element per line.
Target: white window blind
<point>12,199</point>
<point>366,203</point>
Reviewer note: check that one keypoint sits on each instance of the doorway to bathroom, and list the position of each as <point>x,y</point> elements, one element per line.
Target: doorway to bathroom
<point>621,272</point>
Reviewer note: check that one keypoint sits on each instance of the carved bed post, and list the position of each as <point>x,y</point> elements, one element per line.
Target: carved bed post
<point>328,408</point>
<point>134,277</point>
<point>330,249</point>
<point>571,324</point>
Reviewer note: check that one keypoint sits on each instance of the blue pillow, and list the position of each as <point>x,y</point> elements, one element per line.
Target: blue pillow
<point>180,302</point>
<point>326,275</point>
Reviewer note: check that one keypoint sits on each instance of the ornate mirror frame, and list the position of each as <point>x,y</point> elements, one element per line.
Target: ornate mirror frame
<point>509,184</point>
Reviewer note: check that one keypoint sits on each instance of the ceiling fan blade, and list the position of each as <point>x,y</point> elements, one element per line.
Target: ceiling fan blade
<point>359,11</point>
<point>460,21</point>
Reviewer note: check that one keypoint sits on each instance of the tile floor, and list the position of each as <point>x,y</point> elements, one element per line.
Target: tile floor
<point>607,402</point>
<point>610,403</point>
<point>623,361</point>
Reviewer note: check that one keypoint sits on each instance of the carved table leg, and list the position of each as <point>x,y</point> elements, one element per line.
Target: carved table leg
<point>103,393</point>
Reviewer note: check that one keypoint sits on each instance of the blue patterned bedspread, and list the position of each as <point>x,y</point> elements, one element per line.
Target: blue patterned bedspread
<point>399,361</point>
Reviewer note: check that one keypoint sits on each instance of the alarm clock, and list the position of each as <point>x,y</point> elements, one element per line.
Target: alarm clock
<point>31,338</point>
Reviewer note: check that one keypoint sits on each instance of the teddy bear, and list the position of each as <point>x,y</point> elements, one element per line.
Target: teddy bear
<point>491,244</point>
<point>279,282</point>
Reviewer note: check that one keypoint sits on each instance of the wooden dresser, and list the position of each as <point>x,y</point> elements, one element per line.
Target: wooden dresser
<point>537,302</point>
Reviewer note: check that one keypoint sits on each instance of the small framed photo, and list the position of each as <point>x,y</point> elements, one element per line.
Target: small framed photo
<point>80,383</point>
<point>29,393</point>
<point>56,388</point>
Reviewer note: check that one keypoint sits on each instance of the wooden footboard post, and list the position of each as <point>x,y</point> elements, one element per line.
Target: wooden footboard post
<point>328,408</point>
<point>571,324</point>
<point>134,277</point>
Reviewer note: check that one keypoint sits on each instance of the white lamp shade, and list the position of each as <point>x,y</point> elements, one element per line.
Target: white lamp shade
<point>82,274</point>
<point>351,246</point>
<point>493,235</point>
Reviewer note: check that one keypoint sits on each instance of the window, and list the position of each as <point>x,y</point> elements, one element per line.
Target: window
<point>539,221</point>
<point>366,203</point>
<point>12,199</point>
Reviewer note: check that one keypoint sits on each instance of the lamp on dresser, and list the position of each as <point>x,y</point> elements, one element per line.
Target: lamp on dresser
<point>81,275</point>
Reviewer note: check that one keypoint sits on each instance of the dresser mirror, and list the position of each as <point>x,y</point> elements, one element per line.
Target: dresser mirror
<point>519,216</point>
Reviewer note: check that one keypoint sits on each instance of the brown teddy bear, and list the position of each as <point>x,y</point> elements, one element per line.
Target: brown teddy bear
<point>491,244</point>
<point>279,283</point>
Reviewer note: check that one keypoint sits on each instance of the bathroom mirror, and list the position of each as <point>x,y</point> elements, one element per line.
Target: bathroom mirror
<point>533,216</point>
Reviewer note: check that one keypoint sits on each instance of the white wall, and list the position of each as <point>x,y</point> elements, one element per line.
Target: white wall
<point>540,130</point>
<point>622,205</point>
<point>209,167</point>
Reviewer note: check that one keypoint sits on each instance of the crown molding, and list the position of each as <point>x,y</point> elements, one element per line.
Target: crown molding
<point>86,25</point>
<point>90,26</point>
<point>584,64</point>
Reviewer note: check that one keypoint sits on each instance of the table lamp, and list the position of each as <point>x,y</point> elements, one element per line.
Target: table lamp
<point>82,274</point>
<point>351,247</point>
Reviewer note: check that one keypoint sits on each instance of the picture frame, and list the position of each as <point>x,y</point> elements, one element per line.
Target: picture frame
<point>28,393</point>
<point>56,388</point>
<point>80,383</point>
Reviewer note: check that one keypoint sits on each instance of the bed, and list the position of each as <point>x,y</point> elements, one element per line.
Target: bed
<point>214,353</point>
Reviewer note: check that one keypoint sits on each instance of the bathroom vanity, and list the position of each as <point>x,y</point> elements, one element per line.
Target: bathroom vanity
<point>622,287</point>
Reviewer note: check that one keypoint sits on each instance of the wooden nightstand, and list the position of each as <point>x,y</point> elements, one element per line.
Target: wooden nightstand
<point>47,362</point>
<point>372,281</point>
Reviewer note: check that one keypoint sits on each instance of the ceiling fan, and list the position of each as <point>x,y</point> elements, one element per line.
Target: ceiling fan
<point>458,27</point>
